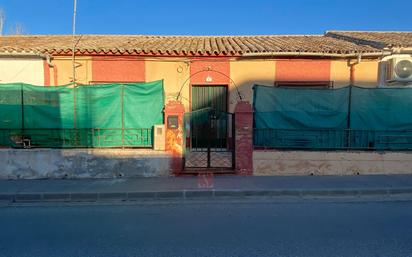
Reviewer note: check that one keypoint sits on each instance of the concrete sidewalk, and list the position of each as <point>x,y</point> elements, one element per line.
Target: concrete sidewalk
<point>203,187</point>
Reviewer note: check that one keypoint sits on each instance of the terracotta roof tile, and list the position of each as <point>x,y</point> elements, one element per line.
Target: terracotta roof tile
<point>378,39</point>
<point>179,45</point>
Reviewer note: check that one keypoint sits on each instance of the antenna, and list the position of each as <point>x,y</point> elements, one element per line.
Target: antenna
<point>74,69</point>
<point>2,19</point>
<point>74,43</point>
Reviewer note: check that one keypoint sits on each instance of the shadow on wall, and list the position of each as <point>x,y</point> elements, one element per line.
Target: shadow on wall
<point>245,89</point>
<point>83,163</point>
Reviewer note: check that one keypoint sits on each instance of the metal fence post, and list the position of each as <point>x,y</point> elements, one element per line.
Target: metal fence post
<point>92,138</point>
<point>233,148</point>
<point>22,112</point>
<point>209,138</point>
<point>348,134</point>
<point>122,107</point>
<point>98,137</point>
<point>76,132</point>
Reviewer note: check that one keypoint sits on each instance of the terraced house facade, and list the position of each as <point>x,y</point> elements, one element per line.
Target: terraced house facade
<point>219,73</point>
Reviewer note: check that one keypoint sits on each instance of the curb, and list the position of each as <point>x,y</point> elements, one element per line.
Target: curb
<point>198,194</point>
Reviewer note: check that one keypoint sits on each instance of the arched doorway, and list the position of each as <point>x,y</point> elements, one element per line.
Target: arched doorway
<point>209,129</point>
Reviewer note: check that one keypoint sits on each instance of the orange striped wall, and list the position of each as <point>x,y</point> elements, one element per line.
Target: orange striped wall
<point>123,69</point>
<point>182,73</point>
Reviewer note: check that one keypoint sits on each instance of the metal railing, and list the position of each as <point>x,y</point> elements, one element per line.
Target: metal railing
<point>76,138</point>
<point>333,139</point>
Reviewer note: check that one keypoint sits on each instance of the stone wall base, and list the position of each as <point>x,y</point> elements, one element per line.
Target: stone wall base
<point>330,163</point>
<point>83,163</point>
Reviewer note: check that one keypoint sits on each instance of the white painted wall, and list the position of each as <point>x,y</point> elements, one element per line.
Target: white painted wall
<point>30,71</point>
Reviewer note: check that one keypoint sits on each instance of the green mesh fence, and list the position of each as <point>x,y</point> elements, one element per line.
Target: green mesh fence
<point>110,115</point>
<point>384,116</point>
<point>11,106</point>
<point>345,118</point>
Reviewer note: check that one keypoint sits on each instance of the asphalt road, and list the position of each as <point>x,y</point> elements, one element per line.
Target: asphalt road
<point>243,228</point>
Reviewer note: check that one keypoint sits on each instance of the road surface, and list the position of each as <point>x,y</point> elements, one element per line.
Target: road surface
<point>225,228</point>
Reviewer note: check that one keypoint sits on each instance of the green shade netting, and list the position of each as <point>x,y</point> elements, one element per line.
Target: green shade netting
<point>381,108</point>
<point>288,108</point>
<point>384,115</point>
<point>11,106</point>
<point>380,118</point>
<point>50,117</point>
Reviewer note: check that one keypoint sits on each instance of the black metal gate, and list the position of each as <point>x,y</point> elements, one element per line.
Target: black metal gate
<point>209,140</point>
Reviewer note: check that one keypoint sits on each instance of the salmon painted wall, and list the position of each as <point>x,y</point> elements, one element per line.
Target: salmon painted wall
<point>117,69</point>
<point>302,70</point>
<point>200,70</point>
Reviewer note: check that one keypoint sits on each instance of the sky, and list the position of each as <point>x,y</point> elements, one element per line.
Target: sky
<point>207,17</point>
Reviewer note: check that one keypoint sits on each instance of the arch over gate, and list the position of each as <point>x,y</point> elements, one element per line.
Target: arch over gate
<point>209,70</point>
<point>209,129</point>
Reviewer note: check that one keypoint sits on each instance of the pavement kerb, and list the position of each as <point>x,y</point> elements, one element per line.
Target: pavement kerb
<point>197,194</point>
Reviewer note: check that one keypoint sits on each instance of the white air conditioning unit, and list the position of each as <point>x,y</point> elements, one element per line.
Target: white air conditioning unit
<point>159,143</point>
<point>399,70</point>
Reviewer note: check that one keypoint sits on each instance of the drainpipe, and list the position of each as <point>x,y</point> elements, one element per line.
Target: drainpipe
<point>352,73</point>
<point>48,60</point>
<point>352,82</point>
<point>352,69</point>
<point>51,65</point>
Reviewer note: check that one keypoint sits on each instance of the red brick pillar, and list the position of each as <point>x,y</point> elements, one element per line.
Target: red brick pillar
<point>174,111</point>
<point>244,138</point>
